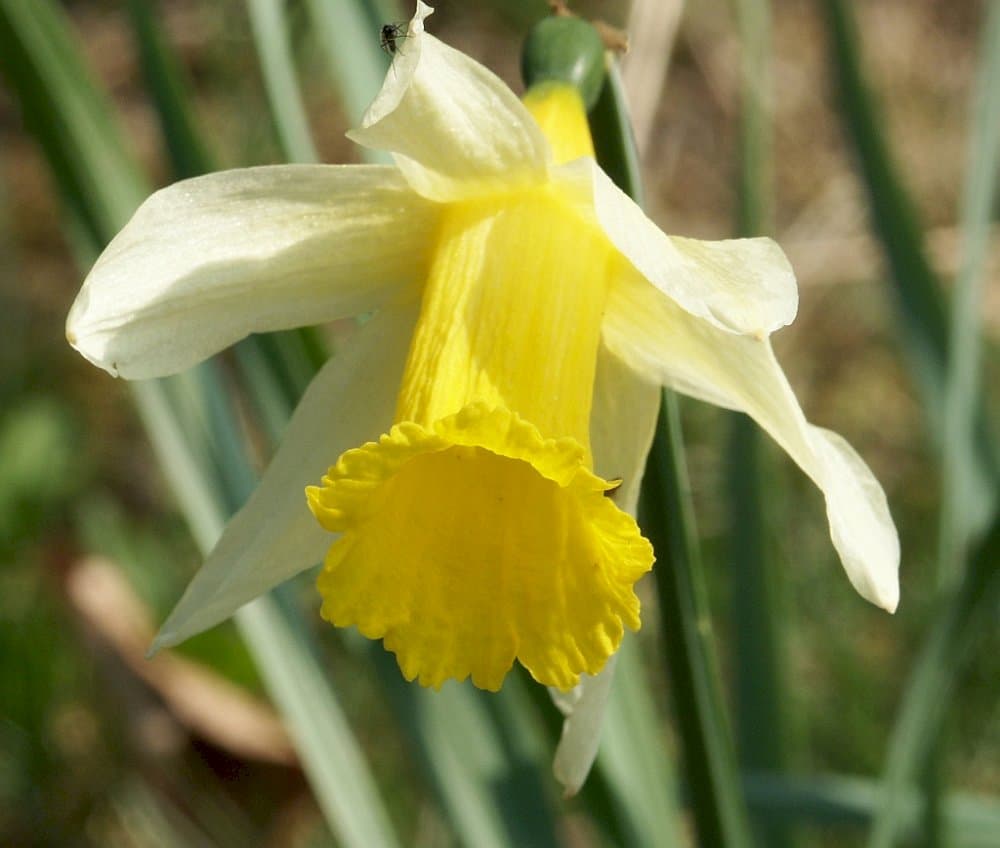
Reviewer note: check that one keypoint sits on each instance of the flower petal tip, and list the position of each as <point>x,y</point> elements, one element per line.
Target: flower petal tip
<point>162,640</point>
<point>888,598</point>
<point>878,584</point>
<point>570,790</point>
<point>84,343</point>
<point>423,11</point>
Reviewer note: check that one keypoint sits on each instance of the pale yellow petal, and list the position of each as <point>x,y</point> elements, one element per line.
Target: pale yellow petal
<point>658,338</point>
<point>741,285</point>
<point>584,707</point>
<point>622,421</point>
<point>210,260</point>
<point>455,127</point>
<point>274,536</point>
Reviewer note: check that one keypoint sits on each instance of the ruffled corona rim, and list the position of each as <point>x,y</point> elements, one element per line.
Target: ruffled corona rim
<point>476,542</point>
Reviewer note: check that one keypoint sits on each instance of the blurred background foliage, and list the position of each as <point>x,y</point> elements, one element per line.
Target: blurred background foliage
<point>850,132</point>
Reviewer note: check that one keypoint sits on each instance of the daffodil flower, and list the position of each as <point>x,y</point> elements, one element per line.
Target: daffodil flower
<point>526,314</point>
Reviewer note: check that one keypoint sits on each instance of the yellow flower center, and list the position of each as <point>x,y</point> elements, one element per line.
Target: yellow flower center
<point>475,532</point>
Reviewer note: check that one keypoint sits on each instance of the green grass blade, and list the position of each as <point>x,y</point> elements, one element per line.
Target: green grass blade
<point>758,661</point>
<point>348,36</point>
<point>666,516</point>
<point>273,396</point>
<point>965,617</point>
<point>758,617</point>
<point>69,116</point>
<point>918,294</point>
<point>920,302</point>
<point>962,506</point>
<point>335,763</point>
<point>753,18</point>
<point>271,37</point>
<point>850,803</point>
<point>184,145</point>
<point>479,753</point>
<point>635,758</point>
<point>963,509</point>
<point>667,520</point>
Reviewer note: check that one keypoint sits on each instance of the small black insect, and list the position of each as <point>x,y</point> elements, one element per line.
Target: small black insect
<point>389,35</point>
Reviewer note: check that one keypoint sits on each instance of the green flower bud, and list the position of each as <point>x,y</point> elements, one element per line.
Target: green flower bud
<point>565,49</point>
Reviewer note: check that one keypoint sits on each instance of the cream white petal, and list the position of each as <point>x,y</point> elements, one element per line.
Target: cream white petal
<point>274,537</point>
<point>622,422</point>
<point>584,707</point>
<point>741,285</point>
<point>210,260</point>
<point>455,128</point>
<point>653,335</point>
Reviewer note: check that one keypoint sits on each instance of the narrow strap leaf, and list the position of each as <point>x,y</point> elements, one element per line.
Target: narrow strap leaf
<point>920,303</point>
<point>963,619</point>
<point>758,659</point>
<point>269,23</point>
